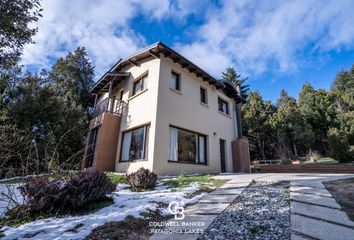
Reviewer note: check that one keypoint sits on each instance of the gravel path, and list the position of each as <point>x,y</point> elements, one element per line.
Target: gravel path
<point>262,211</point>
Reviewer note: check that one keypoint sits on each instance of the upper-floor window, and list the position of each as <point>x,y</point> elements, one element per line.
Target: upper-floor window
<point>203,95</point>
<point>223,106</point>
<point>175,81</point>
<point>139,85</point>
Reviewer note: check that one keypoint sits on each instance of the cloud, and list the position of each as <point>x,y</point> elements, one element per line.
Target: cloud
<point>255,36</point>
<point>103,27</point>
<point>271,36</point>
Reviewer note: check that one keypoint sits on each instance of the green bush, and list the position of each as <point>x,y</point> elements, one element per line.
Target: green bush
<point>339,147</point>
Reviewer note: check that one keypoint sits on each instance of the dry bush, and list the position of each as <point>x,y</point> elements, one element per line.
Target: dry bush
<point>43,197</point>
<point>87,186</point>
<point>313,156</point>
<point>143,179</point>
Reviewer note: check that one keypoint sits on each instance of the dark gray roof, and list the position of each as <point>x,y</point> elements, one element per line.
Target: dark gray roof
<point>154,51</point>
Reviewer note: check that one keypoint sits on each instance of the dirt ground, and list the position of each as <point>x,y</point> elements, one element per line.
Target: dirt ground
<point>343,191</point>
<point>130,229</point>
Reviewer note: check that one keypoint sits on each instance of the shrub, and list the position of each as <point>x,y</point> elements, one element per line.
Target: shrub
<point>143,179</point>
<point>87,186</point>
<point>339,147</point>
<point>43,196</point>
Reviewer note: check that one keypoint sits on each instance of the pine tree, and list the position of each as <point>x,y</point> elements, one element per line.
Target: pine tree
<point>235,79</point>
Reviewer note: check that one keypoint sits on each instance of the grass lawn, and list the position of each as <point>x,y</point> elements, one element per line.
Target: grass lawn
<point>325,160</point>
<point>343,191</point>
<point>207,183</point>
<point>116,178</point>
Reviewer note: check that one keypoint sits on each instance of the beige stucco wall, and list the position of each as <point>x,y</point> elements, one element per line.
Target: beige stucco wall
<point>184,110</point>
<point>161,107</point>
<point>141,110</point>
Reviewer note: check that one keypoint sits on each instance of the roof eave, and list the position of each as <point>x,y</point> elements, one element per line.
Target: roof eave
<point>162,48</point>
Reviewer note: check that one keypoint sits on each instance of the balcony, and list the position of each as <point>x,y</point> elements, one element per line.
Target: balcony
<point>111,105</point>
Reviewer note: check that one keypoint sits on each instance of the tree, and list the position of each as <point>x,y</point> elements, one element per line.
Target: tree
<point>316,108</point>
<point>73,77</point>
<point>255,114</point>
<point>52,108</point>
<point>15,30</point>
<point>344,82</point>
<point>236,80</point>
<point>341,136</point>
<point>286,122</point>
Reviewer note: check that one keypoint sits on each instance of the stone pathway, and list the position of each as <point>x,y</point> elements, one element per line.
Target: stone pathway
<point>314,214</point>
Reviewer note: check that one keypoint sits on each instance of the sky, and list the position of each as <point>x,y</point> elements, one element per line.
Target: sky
<point>277,44</point>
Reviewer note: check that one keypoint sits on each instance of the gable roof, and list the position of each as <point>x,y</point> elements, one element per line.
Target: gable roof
<point>154,51</point>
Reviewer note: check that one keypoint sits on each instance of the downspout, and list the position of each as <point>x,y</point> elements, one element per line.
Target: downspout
<point>238,115</point>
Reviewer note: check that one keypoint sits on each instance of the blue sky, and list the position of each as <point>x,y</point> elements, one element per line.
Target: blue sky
<point>277,44</point>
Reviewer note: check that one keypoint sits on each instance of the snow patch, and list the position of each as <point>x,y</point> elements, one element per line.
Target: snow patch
<point>125,203</point>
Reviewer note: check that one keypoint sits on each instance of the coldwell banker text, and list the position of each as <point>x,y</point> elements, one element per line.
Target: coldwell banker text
<point>177,227</point>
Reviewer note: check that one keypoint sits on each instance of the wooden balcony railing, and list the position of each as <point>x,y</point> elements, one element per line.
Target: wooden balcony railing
<point>112,105</point>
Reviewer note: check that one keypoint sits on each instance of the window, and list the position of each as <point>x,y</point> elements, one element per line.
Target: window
<point>134,144</point>
<point>223,106</point>
<point>203,95</point>
<point>175,81</point>
<point>186,146</point>
<point>139,85</point>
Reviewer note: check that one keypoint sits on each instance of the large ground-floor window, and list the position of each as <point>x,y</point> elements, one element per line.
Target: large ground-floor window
<point>187,146</point>
<point>134,144</point>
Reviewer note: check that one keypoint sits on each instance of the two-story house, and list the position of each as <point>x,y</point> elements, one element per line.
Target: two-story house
<point>158,110</point>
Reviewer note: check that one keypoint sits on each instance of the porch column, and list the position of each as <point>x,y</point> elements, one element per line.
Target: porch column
<point>110,96</point>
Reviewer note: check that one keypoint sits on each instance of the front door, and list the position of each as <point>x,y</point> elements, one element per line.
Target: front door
<point>222,155</point>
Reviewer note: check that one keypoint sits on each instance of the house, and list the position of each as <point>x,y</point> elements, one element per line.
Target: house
<point>158,110</point>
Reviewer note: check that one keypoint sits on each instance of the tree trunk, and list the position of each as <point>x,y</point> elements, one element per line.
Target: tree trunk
<point>295,150</point>
<point>261,145</point>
